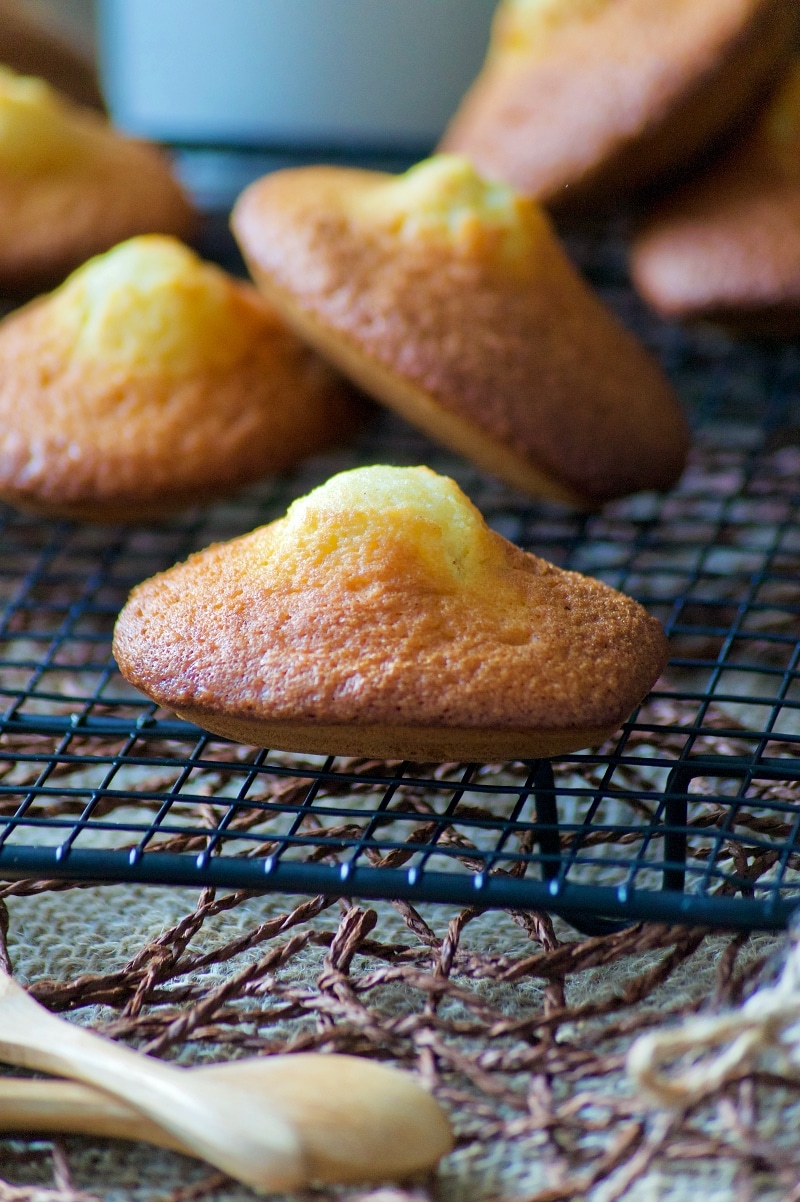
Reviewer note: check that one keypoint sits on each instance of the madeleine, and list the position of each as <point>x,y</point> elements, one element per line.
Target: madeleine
<point>382,617</point>
<point>149,381</point>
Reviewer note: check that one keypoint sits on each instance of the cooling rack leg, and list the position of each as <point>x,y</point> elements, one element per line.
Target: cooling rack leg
<point>676,816</point>
<point>548,838</point>
<point>549,841</point>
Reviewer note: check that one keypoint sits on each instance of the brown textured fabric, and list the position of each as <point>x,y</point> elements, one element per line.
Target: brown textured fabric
<point>528,361</point>
<point>97,441</point>
<point>727,245</point>
<point>527,647</point>
<point>611,101</point>
<point>515,1024</point>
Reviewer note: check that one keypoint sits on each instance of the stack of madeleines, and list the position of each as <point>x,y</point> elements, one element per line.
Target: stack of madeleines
<point>693,106</point>
<point>381,616</point>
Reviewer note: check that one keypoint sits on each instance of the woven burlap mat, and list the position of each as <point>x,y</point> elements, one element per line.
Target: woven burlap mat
<point>517,1024</point>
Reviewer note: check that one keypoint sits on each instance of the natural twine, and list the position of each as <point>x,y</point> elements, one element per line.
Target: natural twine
<point>763,1034</point>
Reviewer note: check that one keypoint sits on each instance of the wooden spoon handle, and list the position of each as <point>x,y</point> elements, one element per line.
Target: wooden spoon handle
<point>32,1037</point>
<point>64,1107</point>
<point>255,1145</point>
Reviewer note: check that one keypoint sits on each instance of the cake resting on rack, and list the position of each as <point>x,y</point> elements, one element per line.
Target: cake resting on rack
<point>725,247</point>
<point>149,381</point>
<point>382,617</point>
<point>450,300</point>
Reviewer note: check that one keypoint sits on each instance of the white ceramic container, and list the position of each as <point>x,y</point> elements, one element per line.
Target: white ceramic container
<point>322,73</point>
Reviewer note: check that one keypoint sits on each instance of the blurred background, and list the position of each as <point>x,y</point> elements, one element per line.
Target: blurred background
<point>72,19</point>
<point>239,87</point>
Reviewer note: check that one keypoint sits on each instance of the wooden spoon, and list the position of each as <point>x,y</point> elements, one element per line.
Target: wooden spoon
<point>375,1125</point>
<point>275,1123</point>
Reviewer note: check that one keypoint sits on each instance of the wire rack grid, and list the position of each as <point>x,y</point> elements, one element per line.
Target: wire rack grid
<point>690,814</point>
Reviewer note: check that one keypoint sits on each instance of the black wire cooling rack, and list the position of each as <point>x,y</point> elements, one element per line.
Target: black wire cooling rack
<point>690,814</point>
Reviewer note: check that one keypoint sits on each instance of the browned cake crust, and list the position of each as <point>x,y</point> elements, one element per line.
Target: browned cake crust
<point>30,48</point>
<point>380,661</point>
<point>523,371</point>
<point>71,186</point>
<point>91,440</point>
<point>726,246</point>
<point>614,102</point>
<point>51,224</point>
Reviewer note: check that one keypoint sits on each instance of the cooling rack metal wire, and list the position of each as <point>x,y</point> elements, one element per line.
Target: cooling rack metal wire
<point>691,813</point>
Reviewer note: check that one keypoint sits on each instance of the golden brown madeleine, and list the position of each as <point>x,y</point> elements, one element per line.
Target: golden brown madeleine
<point>149,381</point>
<point>383,617</point>
<point>583,99</point>
<point>450,300</point>
<point>726,246</point>
<point>71,186</point>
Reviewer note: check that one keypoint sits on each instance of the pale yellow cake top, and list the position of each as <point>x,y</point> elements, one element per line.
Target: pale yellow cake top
<point>523,25</point>
<point>409,519</point>
<point>443,197</point>
<point>151,304</point>
<point>39,130</point>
